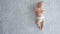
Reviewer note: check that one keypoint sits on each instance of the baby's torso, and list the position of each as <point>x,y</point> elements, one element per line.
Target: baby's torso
<point>39,12</point>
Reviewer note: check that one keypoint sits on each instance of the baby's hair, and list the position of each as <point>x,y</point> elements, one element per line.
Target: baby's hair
<point>40,2</point>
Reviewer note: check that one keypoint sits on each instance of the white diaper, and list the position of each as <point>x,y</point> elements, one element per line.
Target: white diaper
<point>40,19</point>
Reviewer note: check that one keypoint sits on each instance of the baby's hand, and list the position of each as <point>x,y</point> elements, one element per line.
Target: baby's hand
<point>43,10</point>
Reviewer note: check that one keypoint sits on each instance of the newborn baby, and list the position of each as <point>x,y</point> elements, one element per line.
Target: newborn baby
<point>39,10</point>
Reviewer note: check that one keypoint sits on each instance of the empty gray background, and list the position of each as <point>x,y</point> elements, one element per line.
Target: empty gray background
<point>18,17</point>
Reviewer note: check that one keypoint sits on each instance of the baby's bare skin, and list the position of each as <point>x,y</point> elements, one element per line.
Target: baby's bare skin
<point>40,11</point>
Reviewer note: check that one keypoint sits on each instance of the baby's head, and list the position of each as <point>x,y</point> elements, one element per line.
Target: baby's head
<point>40,4</point>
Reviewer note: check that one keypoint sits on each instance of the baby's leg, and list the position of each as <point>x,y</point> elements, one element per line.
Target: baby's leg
<point>42,24</point>
<point>38,23</point>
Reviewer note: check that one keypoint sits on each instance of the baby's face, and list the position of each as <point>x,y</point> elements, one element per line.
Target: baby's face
<point>40,4</point>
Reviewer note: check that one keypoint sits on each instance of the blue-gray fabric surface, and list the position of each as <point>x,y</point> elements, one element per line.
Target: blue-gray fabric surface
<point>18,17</point>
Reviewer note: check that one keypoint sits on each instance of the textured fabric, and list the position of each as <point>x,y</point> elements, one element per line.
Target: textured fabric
<point>18,17</point>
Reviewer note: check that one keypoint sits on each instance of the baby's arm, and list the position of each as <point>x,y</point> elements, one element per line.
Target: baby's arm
<point>44,11</point>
